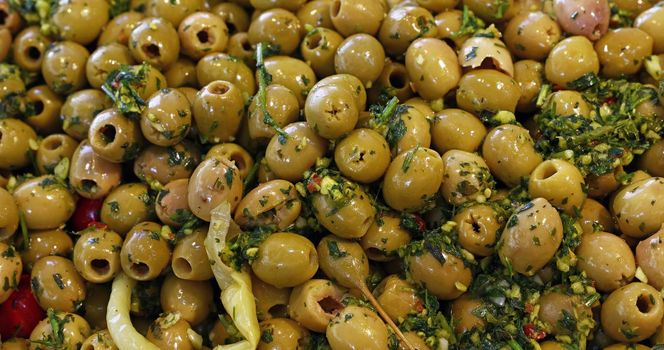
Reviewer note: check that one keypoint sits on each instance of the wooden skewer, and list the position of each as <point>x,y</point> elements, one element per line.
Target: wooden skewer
<point>372,300</point>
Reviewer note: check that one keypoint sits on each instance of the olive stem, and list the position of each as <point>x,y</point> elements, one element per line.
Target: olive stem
<point>372,300</point>
<point>264,79</point>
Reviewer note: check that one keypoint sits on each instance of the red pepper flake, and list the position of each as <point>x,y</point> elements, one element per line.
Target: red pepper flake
<point>98,224</point>
<point>610,100</point>
<point>421,224</point>
<point>313,185</point>
<point>532,332</point>
<point>529,308</point>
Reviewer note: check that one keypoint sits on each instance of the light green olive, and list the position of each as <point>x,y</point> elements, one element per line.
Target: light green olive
<point>638,208</point>
<point>412,179</point>
<point>531,238</point>
<point>348,220</point>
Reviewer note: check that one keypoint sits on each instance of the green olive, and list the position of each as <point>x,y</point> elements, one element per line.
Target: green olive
<point>145,254</point>
<point>467,177</point>
<point>432,67</point>
<point>362,156</point>
<point>531,238</point>
<point>290,158</point>
<point>397,297</point>
<point>510,153</point>
<point>638,207</point>
<point>191,299</point>
<point>632,313</point>
<point>444,275</point>
<point>343,261</point>
<point>272,202</point>
<point>349,220</point>
<point>360,55</point>
<point>63,67</point>
<point>285,260</point>
<point>456,129</point>
<point>314,303</point>
<point>45,202</point>
<point>126,206</point>
<point>73,329</point>
<point>215,180</point>
<point>56,284</point>
<point>154,40</point>
<point>484,90</point>
<point>357,327</point>
<point>284,334</point>
<point>97,255</point>
<point>384,238</point>
<point>11,267</point>
<point>9,217</point>
<point>412,179</point>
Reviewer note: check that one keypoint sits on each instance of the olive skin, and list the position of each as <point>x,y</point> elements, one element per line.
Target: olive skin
<point>622,51</point>
<point>80,21</point>
<point>56,284</point>
<point>283,106</point>
<point>63,67</point>
<point>191,299</point>
<point>11,267</point>
<point>456,129</point>
<point>352,220</point>
<point>45,202</point>
<point>478,227</point>
<point>384,238</point>
<point>14,143</point>
<point>290,159</point>
<point>528,75</point>
<point>115,137</point>
<point>393,81</point>
<point>553,305</point>
<point>218,110</point>
<point>594,213</point>
<point>412,179</point>
<point>292,73</point>
<point>632,313</point>
<point>46,121</point>
<point>428,270</point>
<point>466,178</point>
<point>397,297</point>
<point>355,17</point>
<point>201,33</point>
<point>532,35</point>
<point>118,29</point>
<point>145,254</point>
<point>314,303</point>
<point>330,110</point>
<point>90,175</point>
<point>607,259</point>
<point>650,21</point>
<point>487,90</point>
<point>97,255</point>
<point>319,46</point>
<point>343,261</point>
<point>418,130</point>
<point>190,261</point>
<point>272,202</point>
<point>45,243</point>
<point>171,204</point>
<point>510,153</point>
<point>570,59</point>
<point>402,25</point>
<point>165,164</point>
<point>215,180</point>
<point>271,302</point>
<point>589,17</point>
<point>104,60</point>
<point>476,50</point>
<point>170,331</point>
<point>463,314</point>
<point>649,256</point>
<point>638,207</point>
<point>236,154</point>
<point>220,66</point>
<point>278,28</point>
<point>362,156</point>
<point>531,238</point>
<point>166,119</point>
<point>285,334</point>
<point>154,40</point>
<point>360,55</point>
<point>100,340</point>
<point>559,182</point>
<point>126,206</point>
<point>432,67</point>
<point>9,218</point>
<point>285,260</point>
<point>79,109</point>
<point>75,329</point>
<point>357,327</point>
<point>652,160</point>
<point>29,48</point>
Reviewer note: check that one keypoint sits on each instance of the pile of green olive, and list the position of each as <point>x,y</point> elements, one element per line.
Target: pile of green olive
<point>123,123</point>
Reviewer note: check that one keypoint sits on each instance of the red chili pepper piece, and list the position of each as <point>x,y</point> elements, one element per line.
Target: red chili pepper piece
<point>87,211</point>
<point>532,332</point>
<point>20,312</point>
